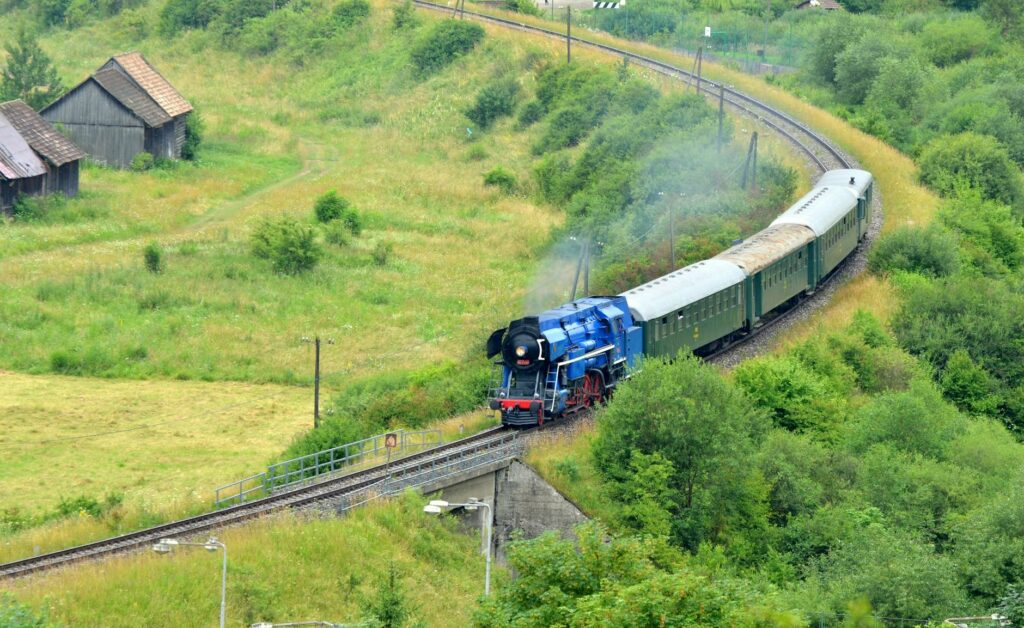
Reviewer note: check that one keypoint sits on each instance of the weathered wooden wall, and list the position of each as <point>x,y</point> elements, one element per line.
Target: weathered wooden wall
<point>100,125</point>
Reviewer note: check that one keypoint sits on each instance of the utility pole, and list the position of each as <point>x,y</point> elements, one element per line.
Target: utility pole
<point>576,278</point>
<point>586,269</point>
<point>721,114</point>
<point>671,239</point>
<point>700,65</point>
<point>767,14</point>
<point>568,34</point>
<point>753,169</point>
<point>316,387</point>
<point>751,155</point>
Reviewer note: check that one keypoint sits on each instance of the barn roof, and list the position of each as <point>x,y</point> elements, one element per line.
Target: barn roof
<point>151,81</point>
<point>40,134</point>
<point>17,161</point>
<point>120,87</point>
<point>828,5</point>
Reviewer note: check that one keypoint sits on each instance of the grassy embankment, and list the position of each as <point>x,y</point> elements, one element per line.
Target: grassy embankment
<point>905,200</point>
<point>285,569</point>
<point>78,300</point>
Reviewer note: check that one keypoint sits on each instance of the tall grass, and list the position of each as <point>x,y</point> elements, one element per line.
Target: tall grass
<point>279,570</point>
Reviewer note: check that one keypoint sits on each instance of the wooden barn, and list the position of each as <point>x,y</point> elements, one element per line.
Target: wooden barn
<point>34,158</point>
<point>126,107</point>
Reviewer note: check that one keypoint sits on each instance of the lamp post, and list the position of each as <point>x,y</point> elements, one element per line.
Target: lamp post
<point>165,546</point>
<point>438,506</point>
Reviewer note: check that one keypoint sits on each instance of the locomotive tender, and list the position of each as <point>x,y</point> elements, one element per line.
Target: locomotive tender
<point>569,358</point>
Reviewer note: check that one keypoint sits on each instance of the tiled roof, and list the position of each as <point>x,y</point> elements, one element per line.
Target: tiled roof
<point>121,88</point>
<point>17,161</point>
<point>40,134</point>
<point>146,76</point>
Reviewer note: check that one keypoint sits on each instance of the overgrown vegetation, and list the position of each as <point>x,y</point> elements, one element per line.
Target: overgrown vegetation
<point>444,42</point>
<point>290,246</point>
<point>28,74</point>
<point>833,478</point>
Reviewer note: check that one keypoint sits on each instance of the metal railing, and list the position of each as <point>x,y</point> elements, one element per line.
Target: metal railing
<point>433,470</point>
<point>349,457</point>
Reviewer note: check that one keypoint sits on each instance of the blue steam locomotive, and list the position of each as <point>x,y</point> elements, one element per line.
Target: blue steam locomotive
<point>570,358</point>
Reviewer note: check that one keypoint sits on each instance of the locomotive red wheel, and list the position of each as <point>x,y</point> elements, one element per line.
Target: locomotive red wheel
<point>593,388</point>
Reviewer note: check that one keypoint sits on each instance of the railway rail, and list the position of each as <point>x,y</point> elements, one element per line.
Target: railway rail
<point>819,150</point>
<point>332,488</point>
<point>821,153</point>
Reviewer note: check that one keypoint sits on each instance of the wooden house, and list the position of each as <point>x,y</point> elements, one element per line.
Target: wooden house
<point>34,158</point>
<point>125,108</point>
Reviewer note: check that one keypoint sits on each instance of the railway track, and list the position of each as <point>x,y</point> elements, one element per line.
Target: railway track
<point>337,487</point>
<point>820,152</point>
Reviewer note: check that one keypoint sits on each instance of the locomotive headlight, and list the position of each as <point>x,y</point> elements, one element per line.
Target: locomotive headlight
<point>521,351</point>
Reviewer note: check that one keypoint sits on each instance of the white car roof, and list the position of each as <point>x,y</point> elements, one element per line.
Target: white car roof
<point>820,208</point>
<point>670,292</point>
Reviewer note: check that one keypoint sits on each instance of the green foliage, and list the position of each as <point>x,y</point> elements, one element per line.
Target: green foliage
<point>968,385</point>
<point>348,13</point>
<point>618,582</point>
<point>13,614</point>
<point>290,246</point>
<point>969,160</point>
<point>152,256</point>
<point>502,179</point>
<point>443,43</point>
<point>917,421</point>
<point>700,425</point>
<point>29,74</point>
<point>382,253</point>
<point>860,63</point>
<point>526,7</point>
<point>531,112</point>
<point>991,237</point>
<point>336,233</point>
<point>496,100</point>
<point>179,15</point>
<point>1011,605</point>
<point>778,184</point>
<point>329,206</point>
<point>404,16</point>
<point>142,162</point>
<point>952,41</point>
<point>390,605</point>
<point>194,128</point>
<point>832,40</point>
<point>794,396</point>
<point>931,251</point>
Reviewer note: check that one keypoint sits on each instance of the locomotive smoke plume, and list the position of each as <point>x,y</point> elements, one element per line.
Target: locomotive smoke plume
<point>683,174</point>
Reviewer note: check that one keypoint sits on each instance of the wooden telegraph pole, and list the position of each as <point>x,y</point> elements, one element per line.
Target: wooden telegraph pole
<point>568,34</point>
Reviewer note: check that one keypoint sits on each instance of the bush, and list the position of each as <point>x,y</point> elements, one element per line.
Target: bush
<point>329,206</point>
<point>152,255</point>
<point>495,100</point>
<point>142,162</point>
<point>382,253</point>
<point>348,13</point>
<point>291,247</point>
<point>502,179</point>
<point>530,113</point>
<point>968,160</point>
<point>931,251</point>
<point>194,128</point>
<point>444,43</point>
<point>336,233</point>
<point>17,615</point>
<point>178,15</point>
<point>526,7</point>
<point>404,16</point>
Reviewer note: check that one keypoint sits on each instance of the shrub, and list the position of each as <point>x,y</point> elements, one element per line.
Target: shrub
<point>291,247</point>
<point>382,253</point>
<point>329,206</point>
<point>194,128</point>
<point>336,233</point>
<point>502,179</point>
<point>152,255</point>
<point>526,7</point>
<point>404,16</point>
<point>495,100</point>
<point>142,162</point>
<point>348,13</point>
<point>530,113</point>
<point>18,615</point>
<point>178,15</point>
<point>443,43</point>
<point>931,251</point>
<point>949,163</point>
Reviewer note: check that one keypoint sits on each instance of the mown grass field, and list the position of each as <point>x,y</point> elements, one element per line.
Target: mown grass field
<point>279,570</point>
